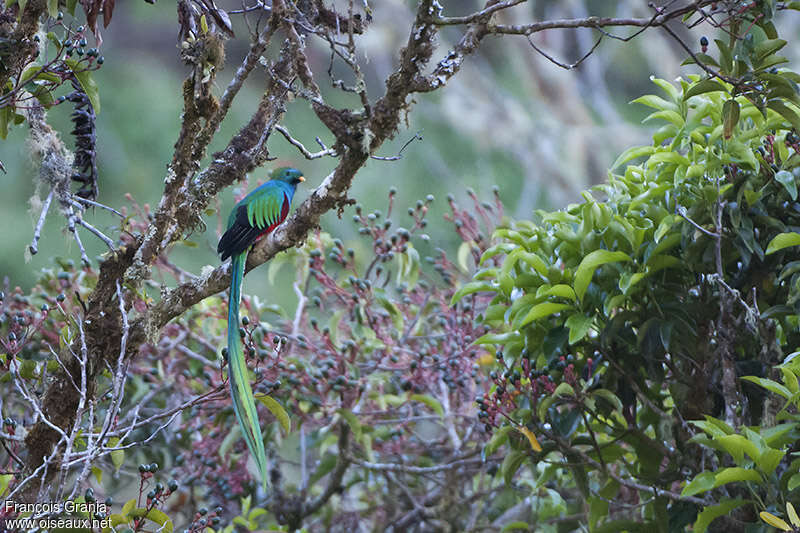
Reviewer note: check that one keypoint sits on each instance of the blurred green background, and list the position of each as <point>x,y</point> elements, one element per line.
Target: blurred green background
<point>510,118</point>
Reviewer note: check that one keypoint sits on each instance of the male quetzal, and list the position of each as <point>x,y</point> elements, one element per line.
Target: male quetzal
<point>254,216</point>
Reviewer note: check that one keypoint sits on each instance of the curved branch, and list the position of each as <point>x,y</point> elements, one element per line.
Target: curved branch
<point>659,19</point>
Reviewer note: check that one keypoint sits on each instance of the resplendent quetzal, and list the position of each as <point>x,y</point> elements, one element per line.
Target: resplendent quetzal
<point>254,216</point>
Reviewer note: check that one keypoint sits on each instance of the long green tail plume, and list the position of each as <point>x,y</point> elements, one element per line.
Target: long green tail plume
<point>243,401</point>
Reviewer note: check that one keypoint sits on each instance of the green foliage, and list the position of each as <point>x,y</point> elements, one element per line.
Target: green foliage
<point>620,318</point>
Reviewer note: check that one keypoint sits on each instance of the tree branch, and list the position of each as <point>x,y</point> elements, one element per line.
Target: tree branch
<point>597,22</point>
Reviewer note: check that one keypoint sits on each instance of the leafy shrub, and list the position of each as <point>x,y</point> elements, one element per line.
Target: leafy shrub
<point>632,326</point>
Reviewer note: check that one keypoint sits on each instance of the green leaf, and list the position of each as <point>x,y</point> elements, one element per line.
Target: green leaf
<point>41,93</point>
<point>394,312</point>
<point>352,421</point>
<point>277,410</point>
<point>408,270</point>
<point>767,47</point>
<point>794,482</point>
<point>737,446</point>
<point>708,514</point>
<point>598,509</point>
<point>515,526</point>
<point>789,269</point>
<point>5,113</point>
<point>730,117</point>
<point>52,8</point>
<point>98,474</point>
<point>325,465</point>
<point>703,482</point>
<point>27,370</point>
<point>673,117</point>
<point>579,325</point>
<point>53,38</point>
<point>713,426</point>
<point>463,256</point>
<point>544,405</point>
<point>770,61</point>
<point>511,464</point>
<point>628,280</point>
<point>704,86</point>
<point>471,288</point>
<point>769,460</point>
<point>430,401</point>
<point>87,83</point>
<point>128,507</point>
<point>783,240</point>
<point>155,515</point>
<point>29,73</point>
<point>770,385</point>
<point>533,260</point>
<point>583,276</point>
<point>725,56</point>
<point>786,112</point>
<point>774,521</point>
<point>499,438</point>
<point>117,456</point>
<point>736,473</point>
<point>790,380</point>
<point>5,479</point>
<point>785,178</point>
<point>752,196</point>
<point>704,59</point>
<point>632,153</point>
<point>742,154</point>
<point>656,102</point>
<point>564,389</point>
<point>333,325</point>
<point>561,291</point>
<point>542,310</point>
<point>667,156</point>
<point>667,87</point>
<point>610,397</point>
<point>499,338</point>
<point>663,227</point>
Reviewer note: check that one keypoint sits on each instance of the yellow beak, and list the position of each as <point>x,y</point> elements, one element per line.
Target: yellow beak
<point>301,178</point>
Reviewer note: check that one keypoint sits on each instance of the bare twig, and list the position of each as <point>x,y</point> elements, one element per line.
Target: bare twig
<point>82,200</point>
<point>491,9</point>
<point>400,153</point>
<point>567,66</point>
<point>303,150</point>
<point>99,234</point>
<point>37,232</point>
<point>71,220</point>
<point>598,22</point>
<point>683,214</point>
<point>409,469</point>
<point>259,6</point>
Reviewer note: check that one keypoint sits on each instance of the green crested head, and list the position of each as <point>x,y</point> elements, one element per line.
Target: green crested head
<point>289,175</point>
